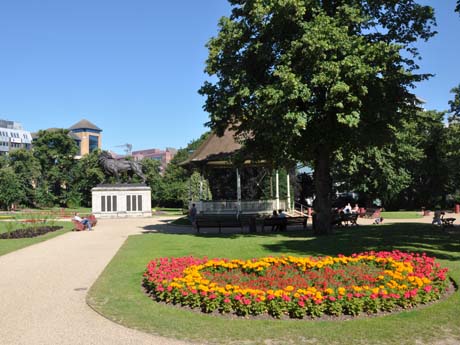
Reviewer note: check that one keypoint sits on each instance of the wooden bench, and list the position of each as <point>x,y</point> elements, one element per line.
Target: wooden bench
<point>80,227</point>
<point>218,222</point>
<point>447,222</point>
<point>282,223</point>
<point>349,219</point>
<point>371,213</point>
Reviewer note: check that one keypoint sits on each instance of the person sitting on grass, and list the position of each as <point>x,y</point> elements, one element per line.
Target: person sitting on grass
<point>84,221</point>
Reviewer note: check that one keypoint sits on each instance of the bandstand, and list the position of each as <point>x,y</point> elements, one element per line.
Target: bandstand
<point>217,153</point>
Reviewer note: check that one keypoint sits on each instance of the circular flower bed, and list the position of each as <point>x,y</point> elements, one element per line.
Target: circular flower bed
<point>297,286</point>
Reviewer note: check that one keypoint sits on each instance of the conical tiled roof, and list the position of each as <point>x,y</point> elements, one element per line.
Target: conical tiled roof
<point>85,124</point>
<point>215,148</point>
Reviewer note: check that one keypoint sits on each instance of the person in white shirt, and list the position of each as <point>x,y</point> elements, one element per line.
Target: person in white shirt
<point>347,209</point>
<point>84,221</point>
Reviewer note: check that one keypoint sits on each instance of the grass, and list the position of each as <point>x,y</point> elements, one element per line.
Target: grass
<point>117,293</point>
<point>181,221</point>
<point>168,211</point>
<point>40,213</point>
<point>402,215</point>
<point>10,245</point>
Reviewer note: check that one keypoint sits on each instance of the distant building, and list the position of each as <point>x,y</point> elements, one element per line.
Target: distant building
<point>13,136</point>
<point>87,136</point>
<point>163,156</point>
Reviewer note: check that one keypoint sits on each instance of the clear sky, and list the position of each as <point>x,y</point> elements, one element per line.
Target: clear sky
<point>133,68</point>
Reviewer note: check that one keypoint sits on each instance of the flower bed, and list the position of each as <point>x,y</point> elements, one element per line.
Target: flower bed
<point>29,232</point>
<point>296,286</point>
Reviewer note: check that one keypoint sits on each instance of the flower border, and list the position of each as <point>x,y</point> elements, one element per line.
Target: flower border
<point>408,279</point>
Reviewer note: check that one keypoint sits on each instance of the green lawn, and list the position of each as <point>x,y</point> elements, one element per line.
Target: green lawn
<point>402,215</point>
<point>167,211</point>
<point>181,221</point>
<point>45,213</point>
<point>10,245</point>
<point>117,293</point>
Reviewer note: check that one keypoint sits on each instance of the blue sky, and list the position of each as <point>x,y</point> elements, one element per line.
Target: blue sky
<point>134,67</point>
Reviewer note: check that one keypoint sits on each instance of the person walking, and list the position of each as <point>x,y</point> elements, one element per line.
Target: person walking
<point>192,215</point>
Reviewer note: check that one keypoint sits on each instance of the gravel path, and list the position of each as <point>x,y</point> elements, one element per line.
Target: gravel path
<point>43,289</point>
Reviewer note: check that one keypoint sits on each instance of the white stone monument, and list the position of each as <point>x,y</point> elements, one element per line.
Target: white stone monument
<point>121,201</point>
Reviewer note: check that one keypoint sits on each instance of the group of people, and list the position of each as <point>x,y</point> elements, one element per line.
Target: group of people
<point>279,215</point>
<point>350,210</point>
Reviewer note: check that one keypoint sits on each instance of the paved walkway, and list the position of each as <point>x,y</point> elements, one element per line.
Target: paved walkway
<point>43,289</point>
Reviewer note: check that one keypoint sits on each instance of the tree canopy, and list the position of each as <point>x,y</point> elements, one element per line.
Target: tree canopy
<point>300,80</point>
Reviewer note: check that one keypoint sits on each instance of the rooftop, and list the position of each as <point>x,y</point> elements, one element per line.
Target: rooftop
<point>85,124</point>
<point>215,148</point>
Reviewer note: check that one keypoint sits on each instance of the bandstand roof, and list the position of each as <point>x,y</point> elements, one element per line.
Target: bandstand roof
<point>215,150</point>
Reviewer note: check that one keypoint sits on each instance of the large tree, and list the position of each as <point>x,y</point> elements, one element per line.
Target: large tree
<point>10,188</point>
<point>85,174</point>
<point>55,150</point>
<point>408,172</point>
<point>27,170</point>
<point>452,144</point>
<point>300,79</point>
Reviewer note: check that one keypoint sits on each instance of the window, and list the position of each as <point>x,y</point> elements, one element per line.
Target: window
<point>93,143</point>
<point>134,203</point>
<point>108,203</point>
<point>128,203</point>
<point>139,202</point>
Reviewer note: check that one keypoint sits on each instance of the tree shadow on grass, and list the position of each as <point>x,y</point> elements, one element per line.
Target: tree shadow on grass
<point>414,237</point>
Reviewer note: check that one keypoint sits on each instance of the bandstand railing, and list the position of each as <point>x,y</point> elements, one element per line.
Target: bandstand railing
<point>235,207</point>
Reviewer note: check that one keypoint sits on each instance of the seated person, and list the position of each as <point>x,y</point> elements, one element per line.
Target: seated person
<point>355,209</point>
<point>275,215</point>
<point>282,215</point>
<point>437,219</point>
<point>378,220</point>
<point>347,209</point>
<point>85,221</point>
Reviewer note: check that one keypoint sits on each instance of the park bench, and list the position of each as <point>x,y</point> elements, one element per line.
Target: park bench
<point>348,220</point>
<point>282,223</point>
<point>80,227</point>
<point>447,222</point>
<point>218,222</point>
<point>371,213</point>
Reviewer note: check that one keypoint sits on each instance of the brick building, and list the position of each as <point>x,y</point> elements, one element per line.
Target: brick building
<point>163,156</point>
<point>87,136</point>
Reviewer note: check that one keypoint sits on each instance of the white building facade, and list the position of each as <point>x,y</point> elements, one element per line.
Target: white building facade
<point>13,136</point>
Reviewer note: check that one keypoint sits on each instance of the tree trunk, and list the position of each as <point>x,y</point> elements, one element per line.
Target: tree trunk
<point>323,185</point>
